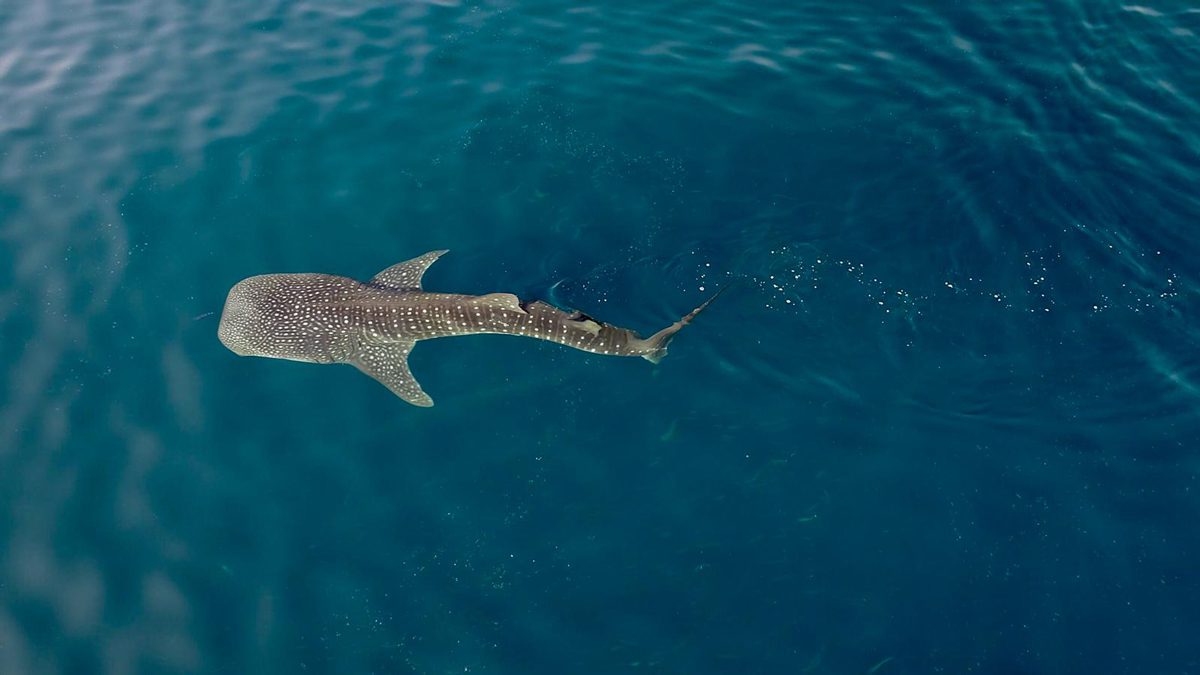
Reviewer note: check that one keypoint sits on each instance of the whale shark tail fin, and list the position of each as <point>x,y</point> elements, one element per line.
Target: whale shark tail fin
<point>657,344</point>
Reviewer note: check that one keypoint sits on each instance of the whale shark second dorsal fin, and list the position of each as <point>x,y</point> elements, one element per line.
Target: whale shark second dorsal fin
<point>406,276</point>
<point>506,301</point>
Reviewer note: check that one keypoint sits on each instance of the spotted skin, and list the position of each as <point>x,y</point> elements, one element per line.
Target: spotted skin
<point>320,318</point>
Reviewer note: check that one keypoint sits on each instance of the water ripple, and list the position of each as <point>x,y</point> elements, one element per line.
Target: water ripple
<point>960,249</point>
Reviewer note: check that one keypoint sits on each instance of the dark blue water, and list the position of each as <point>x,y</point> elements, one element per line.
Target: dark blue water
<point>945,420</point>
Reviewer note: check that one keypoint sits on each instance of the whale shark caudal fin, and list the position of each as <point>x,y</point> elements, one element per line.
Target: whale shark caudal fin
<point>657,343</point>
<point>406,276</point>
<point>388,363</point>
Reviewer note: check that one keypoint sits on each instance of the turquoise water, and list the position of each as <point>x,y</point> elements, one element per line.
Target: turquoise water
<point>945,419</point>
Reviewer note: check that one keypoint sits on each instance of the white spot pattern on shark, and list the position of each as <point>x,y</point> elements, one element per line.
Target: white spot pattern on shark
<point>320,318</point>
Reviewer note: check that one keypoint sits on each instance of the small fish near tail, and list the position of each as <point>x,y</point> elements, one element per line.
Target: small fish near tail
<point>656,345</point>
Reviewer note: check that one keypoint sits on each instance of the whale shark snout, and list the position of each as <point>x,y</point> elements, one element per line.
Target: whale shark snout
<point>236,319</point>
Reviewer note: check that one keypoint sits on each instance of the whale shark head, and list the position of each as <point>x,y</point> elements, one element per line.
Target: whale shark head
<point>287,316</point>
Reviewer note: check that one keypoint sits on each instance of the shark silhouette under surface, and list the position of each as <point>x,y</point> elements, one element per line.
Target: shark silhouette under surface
<point>320,318</point>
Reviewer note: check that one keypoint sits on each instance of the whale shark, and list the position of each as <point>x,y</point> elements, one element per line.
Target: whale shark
<point>373,325</point>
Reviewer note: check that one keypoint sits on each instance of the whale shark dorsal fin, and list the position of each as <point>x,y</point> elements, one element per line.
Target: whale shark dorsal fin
<point>406,276</point>
<point>589,324</point>
<point>388,363</point>
<point>501,301</point>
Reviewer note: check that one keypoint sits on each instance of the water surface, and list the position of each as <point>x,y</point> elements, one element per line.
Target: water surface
<point>944,421</point>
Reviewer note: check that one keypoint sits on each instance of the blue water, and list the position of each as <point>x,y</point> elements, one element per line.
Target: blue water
<point>945,420</point>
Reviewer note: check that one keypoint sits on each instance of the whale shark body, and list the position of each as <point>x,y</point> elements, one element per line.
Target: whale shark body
<point>321,318</point>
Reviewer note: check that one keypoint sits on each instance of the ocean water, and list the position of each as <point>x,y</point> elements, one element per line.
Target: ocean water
<point>945,420</point>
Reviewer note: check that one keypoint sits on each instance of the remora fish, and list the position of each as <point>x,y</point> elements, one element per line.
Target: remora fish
<point>320,318</point>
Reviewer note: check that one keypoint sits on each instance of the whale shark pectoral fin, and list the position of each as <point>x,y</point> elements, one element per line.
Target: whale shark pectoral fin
<point>406,276</point>
<point>388,363</point>
<point>502,301</point>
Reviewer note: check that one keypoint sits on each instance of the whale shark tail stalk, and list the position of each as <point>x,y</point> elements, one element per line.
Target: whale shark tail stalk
<point>658,342</point>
